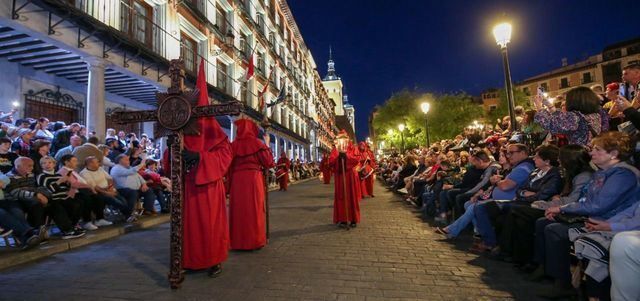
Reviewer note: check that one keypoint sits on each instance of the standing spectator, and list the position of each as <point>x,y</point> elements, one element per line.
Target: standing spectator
<point>131,185</point>
<point>582,121</point>
<point>75,142</point>
<point>62,137</point>
<point>106,162</point>
<point>7,158</point>
<point>88,149</point>
<point>82,132</point>
<point>111,133</point>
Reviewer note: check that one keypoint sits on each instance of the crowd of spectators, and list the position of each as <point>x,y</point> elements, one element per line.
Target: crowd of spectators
<point>558,196</point>
<point>57,179</point>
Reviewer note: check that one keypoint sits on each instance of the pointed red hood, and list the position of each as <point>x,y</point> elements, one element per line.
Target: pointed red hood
<point>211,134</point>
<point>246,142</point>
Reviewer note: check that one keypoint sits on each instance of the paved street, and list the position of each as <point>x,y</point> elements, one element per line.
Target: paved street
<point>392,255</point>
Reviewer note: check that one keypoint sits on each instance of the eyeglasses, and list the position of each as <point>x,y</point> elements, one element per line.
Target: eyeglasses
<point>510,153</point>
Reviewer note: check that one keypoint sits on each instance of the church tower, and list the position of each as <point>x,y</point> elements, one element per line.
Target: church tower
<point>333,84</point>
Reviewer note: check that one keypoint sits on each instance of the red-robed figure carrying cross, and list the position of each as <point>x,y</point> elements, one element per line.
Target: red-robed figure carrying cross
<point>205,228</point>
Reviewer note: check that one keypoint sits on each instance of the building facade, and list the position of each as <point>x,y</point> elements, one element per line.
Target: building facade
<point>600,69</point>
<point>74,60</point>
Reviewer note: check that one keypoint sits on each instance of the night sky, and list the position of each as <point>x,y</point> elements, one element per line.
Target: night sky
<point>381,47</point>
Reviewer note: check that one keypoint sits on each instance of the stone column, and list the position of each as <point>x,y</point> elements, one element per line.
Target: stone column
<point>276,142</point>
<point>95,114</point>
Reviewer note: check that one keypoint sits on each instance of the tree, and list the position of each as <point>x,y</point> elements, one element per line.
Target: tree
<point>448,116</point>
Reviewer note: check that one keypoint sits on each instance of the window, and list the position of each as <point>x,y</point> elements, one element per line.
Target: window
<point>244,46</point>
<point>135,20</point>
<point>526,90</point>
<point>492,108</point>
<point>564,82</point>
<point>189,52</point>
<point>544,86</point>
<point>260,22</point>
<point>222,76</point>
<point>586,78</point>
<point>612,54</point>
<point>221,19</point>
<point>261,64</point>
<point>272,38</point>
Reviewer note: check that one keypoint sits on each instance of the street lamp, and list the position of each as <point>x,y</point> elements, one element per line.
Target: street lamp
<point>401,128</point>
<point>502,33</point>
<point>425,106</point>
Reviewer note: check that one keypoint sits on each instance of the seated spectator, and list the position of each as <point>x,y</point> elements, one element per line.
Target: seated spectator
<point>470,184</point>
<point>521,219</point>
<point>131,185</point>
<point>7,158</point>
<point>612,189</point>
<point>12,220</point>
<point>543,183</point>
<point>156,183</point>
<point>106,162</point>
<point>64,210</point>
<point>40,148</point>
<point>22,145</point>
<point>75,141</point>
<point>83,192</point>
<point>22,193</point>
<point>482,196</point>
<point>88,149</point>
<point>102,184</point>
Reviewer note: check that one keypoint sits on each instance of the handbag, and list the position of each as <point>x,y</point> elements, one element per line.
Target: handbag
<point>565,218</point>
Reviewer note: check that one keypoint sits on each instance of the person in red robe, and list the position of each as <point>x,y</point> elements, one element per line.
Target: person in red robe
<point>282,171</point>
<point>325,168</point>
<point>247,211</point>
<point>343,160</point>
<point>208,157</point>
<point>366,169</point>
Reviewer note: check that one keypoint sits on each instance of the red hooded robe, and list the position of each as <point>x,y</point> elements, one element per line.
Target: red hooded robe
<point>325,168</point>
<point>367,166</point>
<point>205,231</point>
<point>247,212</point>
<point>346,184</point>
<point>283,165</point>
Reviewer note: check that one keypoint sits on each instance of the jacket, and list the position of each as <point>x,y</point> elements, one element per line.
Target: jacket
<point>545,187</point>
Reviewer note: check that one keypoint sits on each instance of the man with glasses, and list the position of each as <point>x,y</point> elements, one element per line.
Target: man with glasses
<point>505,189</point>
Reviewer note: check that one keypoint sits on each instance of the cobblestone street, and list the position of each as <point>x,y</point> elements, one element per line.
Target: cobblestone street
<point>392,255</point>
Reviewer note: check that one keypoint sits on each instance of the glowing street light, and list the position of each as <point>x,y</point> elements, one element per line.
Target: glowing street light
<point>502,33</point>
<point>401,128</point>
<point>425,106</point>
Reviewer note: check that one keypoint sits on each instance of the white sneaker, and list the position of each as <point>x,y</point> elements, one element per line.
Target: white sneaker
<point>102,222</point>
<point>403,191</point>
<point>89,226</point>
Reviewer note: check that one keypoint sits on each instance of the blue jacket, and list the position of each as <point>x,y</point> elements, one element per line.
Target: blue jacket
<point>608,193</point>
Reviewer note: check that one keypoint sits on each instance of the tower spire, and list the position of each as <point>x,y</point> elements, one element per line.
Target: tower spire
<point>331,67</point>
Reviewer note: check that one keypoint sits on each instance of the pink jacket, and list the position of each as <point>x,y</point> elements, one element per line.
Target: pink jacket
<point>75,181</point>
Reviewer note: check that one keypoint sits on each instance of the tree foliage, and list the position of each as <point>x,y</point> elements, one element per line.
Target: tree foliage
<point>448,115</point>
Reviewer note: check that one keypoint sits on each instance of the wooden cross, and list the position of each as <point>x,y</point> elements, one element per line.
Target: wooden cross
<point>177,115</point>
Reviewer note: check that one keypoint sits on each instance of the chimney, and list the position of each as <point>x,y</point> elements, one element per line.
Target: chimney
<point>564,62</point>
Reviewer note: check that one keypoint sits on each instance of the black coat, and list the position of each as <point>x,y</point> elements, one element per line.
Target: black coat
<point>546,187</point>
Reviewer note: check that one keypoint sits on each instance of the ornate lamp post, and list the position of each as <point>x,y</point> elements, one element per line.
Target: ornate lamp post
<point>502,33</point>
<point>425,106</point>
<point>401,128</point>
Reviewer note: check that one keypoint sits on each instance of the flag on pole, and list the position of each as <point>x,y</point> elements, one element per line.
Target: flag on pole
<point>250,68</point>
<point>264,90</point>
